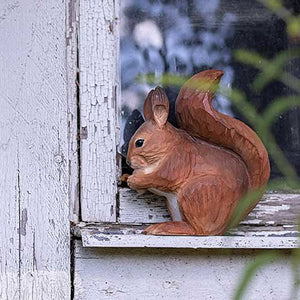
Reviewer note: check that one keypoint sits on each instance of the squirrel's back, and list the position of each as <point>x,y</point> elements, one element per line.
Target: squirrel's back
<point>197,116</point>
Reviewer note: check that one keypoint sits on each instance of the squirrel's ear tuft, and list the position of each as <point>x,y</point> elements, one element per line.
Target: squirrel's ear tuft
<point>156,107</point>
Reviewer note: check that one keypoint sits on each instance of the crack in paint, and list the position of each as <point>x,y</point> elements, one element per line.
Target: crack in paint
<point>23,222</point>
<point>19,216</point>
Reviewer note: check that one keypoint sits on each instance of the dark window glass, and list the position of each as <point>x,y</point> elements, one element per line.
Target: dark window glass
<point>186,36</point>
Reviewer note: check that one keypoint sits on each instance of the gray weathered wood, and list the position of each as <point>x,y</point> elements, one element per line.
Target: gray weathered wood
<point>93,239</point>
<point>241,230</point>
<point>99,84</point>
<point>272,224</point>
<point>34,249</point>
<point>72,36</point>
<point>175,274</point>
<point>273,209</point>
<point>130,237</point>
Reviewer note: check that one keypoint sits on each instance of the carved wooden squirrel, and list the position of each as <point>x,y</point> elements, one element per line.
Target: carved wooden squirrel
<point>204,168</point>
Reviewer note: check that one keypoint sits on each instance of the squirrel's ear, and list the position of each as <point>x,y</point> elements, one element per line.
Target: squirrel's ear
<point>148,106</point>
<point>156,107</point>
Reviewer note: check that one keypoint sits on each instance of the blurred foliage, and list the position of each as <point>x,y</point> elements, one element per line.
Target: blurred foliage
<point>269,70</point>
<point>273,69</point>
<point>260,122</point>
<point>260,260</point>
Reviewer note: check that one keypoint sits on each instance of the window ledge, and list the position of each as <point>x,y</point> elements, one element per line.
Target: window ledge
<point>121,236</point>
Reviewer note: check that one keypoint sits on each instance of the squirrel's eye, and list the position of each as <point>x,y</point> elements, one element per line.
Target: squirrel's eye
<point>139,143</point>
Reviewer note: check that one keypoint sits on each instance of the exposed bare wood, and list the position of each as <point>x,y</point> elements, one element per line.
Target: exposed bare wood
<point>146,208</point>
<point>98,64</point>
<point>273,209</point>
<point>34,249</point>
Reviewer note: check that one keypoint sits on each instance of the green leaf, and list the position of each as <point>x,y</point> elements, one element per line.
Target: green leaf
<point>277,7</point>
<point>269,74</point>
<point>279,106</point>
<point>295,263</point>
<point>244,205</point>
<point>250,58</point>
<point>165,79</point>
<point>238,98</point>
<point>293,26</point>
<point>260,260</point>
<point>273,5</point>
<point>273,69</point>
<point>284,185</point>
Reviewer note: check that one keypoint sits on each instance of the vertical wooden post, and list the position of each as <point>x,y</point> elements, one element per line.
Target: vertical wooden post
<point>34,248</point>
<point>99,80</point>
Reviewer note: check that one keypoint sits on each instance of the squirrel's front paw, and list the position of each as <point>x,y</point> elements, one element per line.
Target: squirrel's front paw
<point>130,182</point>
<point>133,183</point>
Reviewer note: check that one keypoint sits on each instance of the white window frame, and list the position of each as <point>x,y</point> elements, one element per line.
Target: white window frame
<point>93,48</point>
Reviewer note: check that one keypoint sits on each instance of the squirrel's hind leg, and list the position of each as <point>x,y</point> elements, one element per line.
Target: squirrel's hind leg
<point>170,228</point>
<point>207,204</point>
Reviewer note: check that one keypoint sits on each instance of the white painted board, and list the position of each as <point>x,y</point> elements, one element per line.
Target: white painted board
<point>99,89</point>
<point>175,274</point>
<point>34,249</point>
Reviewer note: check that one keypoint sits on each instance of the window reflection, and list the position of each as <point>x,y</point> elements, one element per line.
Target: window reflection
<point>187,36</point>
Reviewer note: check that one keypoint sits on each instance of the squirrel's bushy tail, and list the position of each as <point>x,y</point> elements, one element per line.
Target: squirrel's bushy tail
<point>197,116</point>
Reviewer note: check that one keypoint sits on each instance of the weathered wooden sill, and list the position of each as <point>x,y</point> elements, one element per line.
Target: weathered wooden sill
<point>130,236</point>
<point>272,224</point>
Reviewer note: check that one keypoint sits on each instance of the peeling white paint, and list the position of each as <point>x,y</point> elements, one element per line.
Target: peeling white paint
<point>98,239</point>
<point>99,93</point>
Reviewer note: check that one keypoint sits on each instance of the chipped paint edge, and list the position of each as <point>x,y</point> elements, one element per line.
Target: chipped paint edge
<point>90,239</point>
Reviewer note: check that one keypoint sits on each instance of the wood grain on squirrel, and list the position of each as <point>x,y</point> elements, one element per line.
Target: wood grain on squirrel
<point>204,168</point>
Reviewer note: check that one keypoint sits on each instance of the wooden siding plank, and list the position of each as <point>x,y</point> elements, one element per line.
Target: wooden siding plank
<point>34,252</point>
<point>175,274</point>
<point>273,209</point>
<point>9,199</point>
<point>99,84</point>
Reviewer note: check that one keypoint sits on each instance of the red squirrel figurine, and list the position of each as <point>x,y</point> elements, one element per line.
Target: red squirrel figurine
<point>204,168</point>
